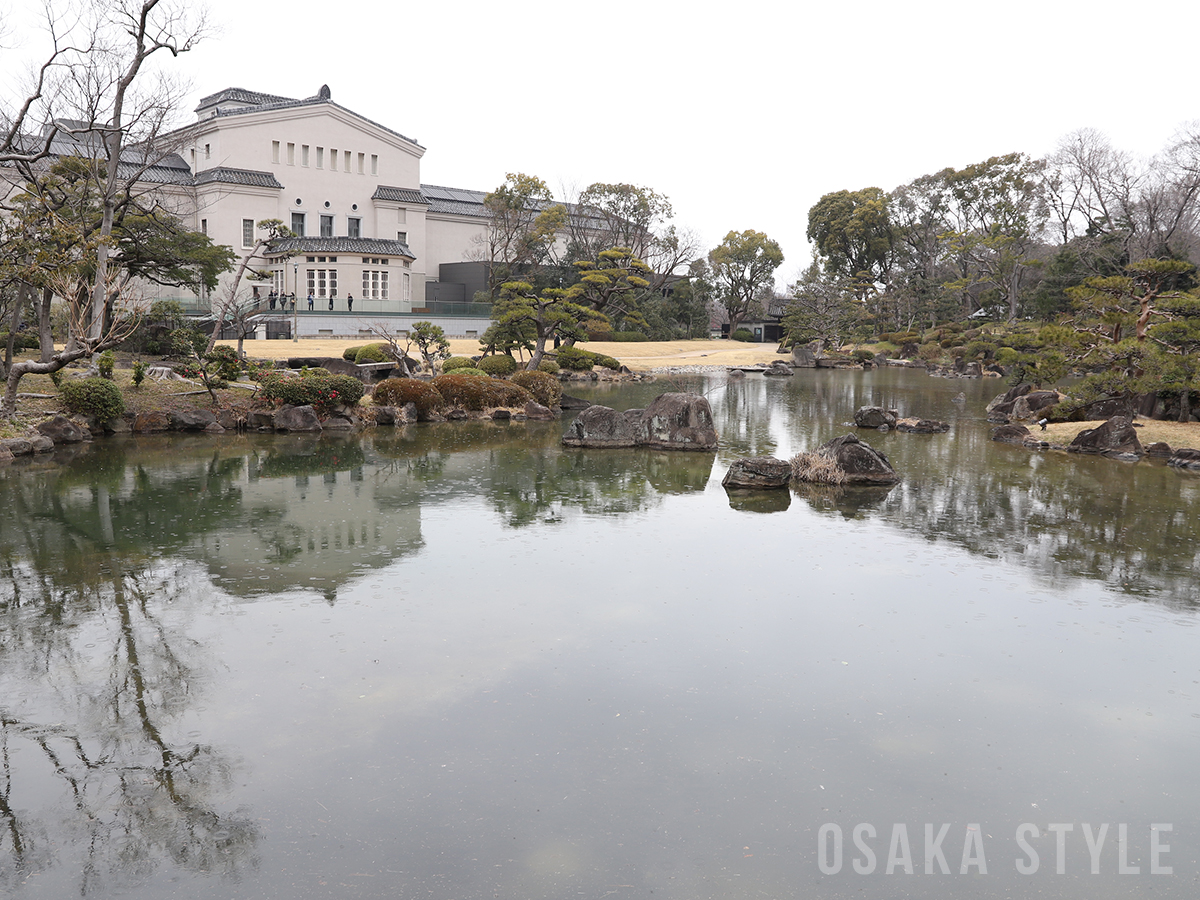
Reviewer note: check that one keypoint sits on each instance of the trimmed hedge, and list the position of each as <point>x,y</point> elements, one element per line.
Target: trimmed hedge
<point>469,370</point>
<point>477,394</point>
<point>742,334</point>
<point>97,397</point>
<point>26,340</point>
<point>401,391</point>
<point>371,353</point>
<point>350,352</point>
<point>500,365</point>
<point>549,366</point>
<point>578,360</point>
<point>323,392</point>
<point>458,362</point>
<point>545,388</point>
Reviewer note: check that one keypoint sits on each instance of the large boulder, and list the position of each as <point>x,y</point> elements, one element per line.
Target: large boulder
<point>1031,405</point>
<point>152,421</point>
<point>16,447</point>
<point>758,472</point>
<point>874,417</point>
<point>679,421</point>
<point>1011,434</point>
<point>191,419</point>
<point>599,426</point>
<point>535,410</point>
<point>922,426</point>
<point>861,463</point>
<point>62,430</point>
<point>261,419</point>
<point>1159,449</point>
<point>779,367</point>
<point>1185,458</point>
<point>803,357</point>
<point>297,418</point>
<point>1117,436</point>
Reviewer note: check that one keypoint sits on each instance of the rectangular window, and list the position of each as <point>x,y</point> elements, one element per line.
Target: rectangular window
<point>204,226</point>
<point>333,159</point>
<point>320,157</point>
<point>208,151</point>
<point>401,216</point>
<point>275,151</point>
<point>406,295</point>
<point>291,154</point>
<point>346,162</point>
<point>247,232</point>
<point>304,154</point>
<point>374,164</point>
<point>322,283</point>
<point>374,285</point>
<point>402,237</point>
<point>326,226</point>
<point>277,280</point>
<point>298,224</point>
<point>362,163</point>
<point>193,151</point>
<point>354,228</point>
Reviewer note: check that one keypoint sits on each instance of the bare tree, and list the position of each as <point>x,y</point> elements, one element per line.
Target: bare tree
<point>237,308</point>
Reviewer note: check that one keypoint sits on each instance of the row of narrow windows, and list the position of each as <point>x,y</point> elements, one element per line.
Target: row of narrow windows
<point>320,158</point>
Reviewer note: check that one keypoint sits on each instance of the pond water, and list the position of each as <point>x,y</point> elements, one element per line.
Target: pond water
<point>458,661</point>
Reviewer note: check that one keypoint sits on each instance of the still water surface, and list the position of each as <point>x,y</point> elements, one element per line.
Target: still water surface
<point>458,661</point>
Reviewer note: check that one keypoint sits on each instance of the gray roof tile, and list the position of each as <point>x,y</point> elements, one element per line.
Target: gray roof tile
<point>349,246</point>
<point>398,194</point>
<point>226,175</point>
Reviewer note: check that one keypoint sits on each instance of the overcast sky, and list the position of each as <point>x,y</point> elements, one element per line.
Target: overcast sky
<point>742,113</point>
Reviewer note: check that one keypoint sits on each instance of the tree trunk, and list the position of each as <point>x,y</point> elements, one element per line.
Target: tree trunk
<point>1185,405</point>
<point>45,333</point>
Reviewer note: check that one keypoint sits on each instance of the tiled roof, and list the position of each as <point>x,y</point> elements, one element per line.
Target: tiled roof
<point>226,175</point>
<point>350,246</point>
<point>398,195</point>
<point>264,102</point>
<point>454,201</point>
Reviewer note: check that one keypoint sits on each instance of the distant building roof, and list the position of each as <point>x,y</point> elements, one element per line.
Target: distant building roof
<point>398,194</point>
<point>299,246</point>
<point>226,175</point>
<point>239,101</point>
<point>454,201</point>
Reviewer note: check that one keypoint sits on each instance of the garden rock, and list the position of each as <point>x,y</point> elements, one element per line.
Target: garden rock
<point>1011,434</point>
<point>763,472</point>
<point>16,447</point>
<point>535,410</point>
<point>779,368</point>
<point>41,444</point>
<point>1159,449</point>
<point>599,426</point>
<point>922,426</point>
<point>297,418</point>
<point>62,430</point>
<point>861,463</point>
<point>261,420</point>
<point>1185,458</point>
<point>803,357</point>
<point>191,419</point>
<point>149,422</point>
<point>680,421</point>
<point>336,423</point>
<point>569,402</point>
<point>1114,437</point>
<point>874,416</point>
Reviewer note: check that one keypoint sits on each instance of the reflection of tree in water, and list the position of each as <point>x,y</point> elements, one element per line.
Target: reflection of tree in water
<point>93,686</point>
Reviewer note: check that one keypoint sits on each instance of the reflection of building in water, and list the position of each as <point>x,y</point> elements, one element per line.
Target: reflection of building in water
<point>312,530</point>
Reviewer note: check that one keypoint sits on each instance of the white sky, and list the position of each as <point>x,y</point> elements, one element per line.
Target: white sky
<point>742,113</point>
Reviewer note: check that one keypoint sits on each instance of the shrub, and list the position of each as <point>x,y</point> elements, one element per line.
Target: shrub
<point>26,340</point>
<point>315,372</point>
<point>401,391</point>
<point>104,363</point>
<point>549,366</point>
<point>471,371</point>
<point>323,392</point>
<point>228,363</point>
<point>458,362</point>
<point>742,334</point>
<point>863,355</point>
<point>1007,356</point>
<point>578,360</point>
<point>480,393</point>
<point>930,351</point>
<point>980,350</point>
<point>139,372</point>
<point>351,352</point>
<point>545,388</point>
<point>96,397</point>
<point>371,353</point>
<point>500,365</point>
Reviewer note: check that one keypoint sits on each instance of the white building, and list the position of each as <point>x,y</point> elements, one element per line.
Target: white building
<point>368,230</point>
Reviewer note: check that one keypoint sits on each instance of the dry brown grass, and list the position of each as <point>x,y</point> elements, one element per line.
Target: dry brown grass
<point>817,468</point>
<point>1150,431</point>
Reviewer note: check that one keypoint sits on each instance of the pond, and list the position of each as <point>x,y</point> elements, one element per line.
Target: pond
<point>457,661</point>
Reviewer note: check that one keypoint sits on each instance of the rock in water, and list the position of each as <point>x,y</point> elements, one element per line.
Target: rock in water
<point>599,426</point>
<point>763,472</point>
<point>861,463</point>
<point>1116,436</point>
<point>679,421</point>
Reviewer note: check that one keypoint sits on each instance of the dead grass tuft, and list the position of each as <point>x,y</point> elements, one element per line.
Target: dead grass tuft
<point>817,468</point>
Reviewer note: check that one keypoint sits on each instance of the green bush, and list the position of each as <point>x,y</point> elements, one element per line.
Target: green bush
<point>500,365</point>
<point>470,370</point>
<point>545,388</point>
<point>322,392</point>
<point>930,351</point>
<point>742,334</point>
<point>372,353</point>
<point>96,397</point>
<point>480,393</point>
<point>228,363</point>
<point>578,360</point>
<point>315,372</point>
<point>458,362</point>
<point>863,355</point>
<point>1007,356</point>
<point>351,352</point>
<point>105,363</point>
<point>26,340</point>
<point>980,350</point>
<point>139,372</point>
<point>549,366</point>
<point>401,391</point>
